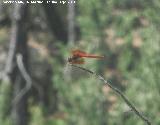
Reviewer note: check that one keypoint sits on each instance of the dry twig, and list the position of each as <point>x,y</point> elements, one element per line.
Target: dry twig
<point>26,76</point>
<point>118,92</point>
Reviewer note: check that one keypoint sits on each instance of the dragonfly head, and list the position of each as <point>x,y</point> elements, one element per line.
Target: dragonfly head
<point>73,58</point>
<point>70,59</point>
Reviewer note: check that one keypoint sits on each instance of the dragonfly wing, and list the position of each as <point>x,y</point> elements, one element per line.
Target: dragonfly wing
<point>78,53</point>
<point>78,61</point>
<point>93,56</point>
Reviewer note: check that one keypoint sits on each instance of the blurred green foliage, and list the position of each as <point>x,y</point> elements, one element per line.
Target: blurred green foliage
<point>127,33</point>
<point>5,92</point>
<point>135,40</point>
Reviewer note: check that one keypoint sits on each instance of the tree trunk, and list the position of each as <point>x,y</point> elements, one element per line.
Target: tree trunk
<point>55,22</point>
<point>71,23</point>
<point>73,28</point>
<point>18,44</point>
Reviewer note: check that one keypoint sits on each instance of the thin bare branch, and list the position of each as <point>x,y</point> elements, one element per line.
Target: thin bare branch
<point>27,78</point>
<point>118,92</point>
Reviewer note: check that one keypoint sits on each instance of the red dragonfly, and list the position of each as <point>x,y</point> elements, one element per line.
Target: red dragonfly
<point>78,57</point>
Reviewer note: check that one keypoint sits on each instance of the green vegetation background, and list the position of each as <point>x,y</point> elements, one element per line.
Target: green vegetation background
<point>127,33</point>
